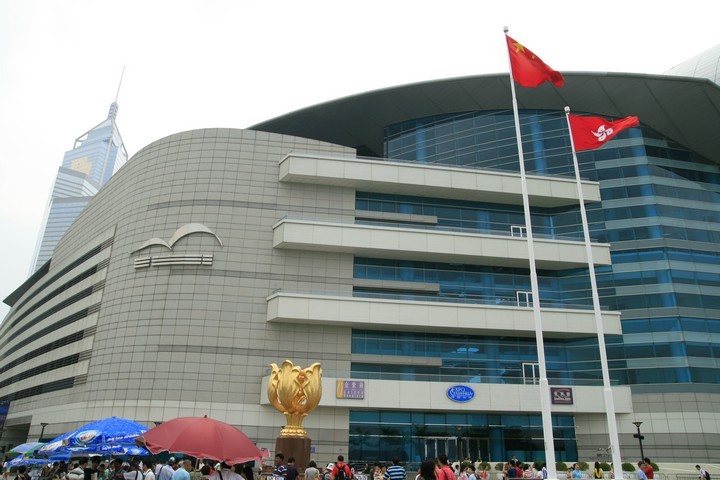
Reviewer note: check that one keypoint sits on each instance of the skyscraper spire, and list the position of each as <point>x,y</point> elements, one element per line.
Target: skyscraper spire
<point>114,105</point>
<point>112,113</point>
<point>95,157</point>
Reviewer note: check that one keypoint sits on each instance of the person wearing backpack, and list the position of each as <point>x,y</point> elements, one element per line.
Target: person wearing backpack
<point>341,471</point>
<point>702,474</point>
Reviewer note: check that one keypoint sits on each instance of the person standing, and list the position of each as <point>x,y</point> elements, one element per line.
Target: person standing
<point>649,470</point>
<point>148,470</point>
<point>23,475</point>
<point>640,471</point>
<point>312,472</point>
<point>165,472</point>
<point>223,472</point>
<point>280,470</point>
<point>133,472</point>
<point>446,473</point>
<point>341,471</point>
<point>484,474</point>
<point>195,473</point>
<point>598,471</point>
<point>428,470</point>
<point>702,474</point>
<point>576,473</point>
<point>291,471</point>
<point>183,473</point>
<point>395,471</point>
<point>512,471</point>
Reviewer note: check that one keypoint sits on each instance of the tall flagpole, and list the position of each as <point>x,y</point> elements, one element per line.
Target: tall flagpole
<point>548,438</point>
<point>607,390</point>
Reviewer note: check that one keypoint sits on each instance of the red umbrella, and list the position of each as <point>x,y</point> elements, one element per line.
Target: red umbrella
<point>201,438</point>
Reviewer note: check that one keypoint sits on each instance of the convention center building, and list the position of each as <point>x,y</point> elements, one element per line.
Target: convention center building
<point>383,236</point>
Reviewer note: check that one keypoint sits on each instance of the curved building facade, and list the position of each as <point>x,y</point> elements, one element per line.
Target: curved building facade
<point>382,235</point>
<point>705,65</point>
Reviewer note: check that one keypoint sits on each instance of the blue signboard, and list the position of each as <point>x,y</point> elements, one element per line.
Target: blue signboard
<point>460,393</point>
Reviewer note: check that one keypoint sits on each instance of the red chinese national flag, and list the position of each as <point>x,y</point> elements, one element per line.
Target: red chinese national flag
<point>594,132</point>
<point>527,68</point>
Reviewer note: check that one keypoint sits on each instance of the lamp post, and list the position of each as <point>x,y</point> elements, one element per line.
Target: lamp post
<point>640,438</point>
<point>458,428</point>
<point>42,430</point>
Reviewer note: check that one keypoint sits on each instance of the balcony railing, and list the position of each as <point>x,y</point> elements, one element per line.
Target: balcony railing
<point>454,298</point>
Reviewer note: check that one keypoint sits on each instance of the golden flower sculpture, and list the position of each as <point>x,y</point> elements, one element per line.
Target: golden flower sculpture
<point>295,392</point>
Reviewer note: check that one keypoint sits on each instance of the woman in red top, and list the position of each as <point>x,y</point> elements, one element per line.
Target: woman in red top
<point>446,473</point>
<point>648,469</point>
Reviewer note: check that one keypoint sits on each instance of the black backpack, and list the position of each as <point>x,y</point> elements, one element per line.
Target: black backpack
<point>707,475</point>
<point>342,473</point>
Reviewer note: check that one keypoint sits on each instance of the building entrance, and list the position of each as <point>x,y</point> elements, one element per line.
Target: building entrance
<point>434,446</point>
<point>472,448</point>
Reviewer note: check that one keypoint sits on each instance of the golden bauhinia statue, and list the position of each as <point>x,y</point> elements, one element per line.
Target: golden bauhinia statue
<point>295,392</point>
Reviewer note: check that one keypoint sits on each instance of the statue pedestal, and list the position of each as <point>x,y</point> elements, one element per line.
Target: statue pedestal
<point>294,447</point>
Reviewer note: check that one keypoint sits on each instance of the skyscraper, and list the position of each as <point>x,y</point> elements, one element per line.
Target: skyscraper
<point>95,157</point>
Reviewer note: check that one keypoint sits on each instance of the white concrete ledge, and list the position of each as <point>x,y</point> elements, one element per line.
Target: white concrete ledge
<point>383,314</point>
<point>432,180</point>
<point>433,245</point>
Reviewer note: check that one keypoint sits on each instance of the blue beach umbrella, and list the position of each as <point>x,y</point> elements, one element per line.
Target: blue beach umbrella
<point>22,460</point>
<point>24,447</point>
<point>117,449</point>
<point>102,436</point>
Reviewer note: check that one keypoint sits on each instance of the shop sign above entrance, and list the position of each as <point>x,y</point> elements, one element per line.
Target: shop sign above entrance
<point>460,393</point>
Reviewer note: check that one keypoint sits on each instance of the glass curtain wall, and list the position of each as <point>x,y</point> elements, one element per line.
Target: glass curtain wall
<point>659,211</point>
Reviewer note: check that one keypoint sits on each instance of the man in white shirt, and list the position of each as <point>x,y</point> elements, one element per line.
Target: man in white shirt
<point>224,473</point>
<point>148,473</point>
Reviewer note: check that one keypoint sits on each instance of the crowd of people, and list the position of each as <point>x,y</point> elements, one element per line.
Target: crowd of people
<point>95,468</point>
<point>441,469</point>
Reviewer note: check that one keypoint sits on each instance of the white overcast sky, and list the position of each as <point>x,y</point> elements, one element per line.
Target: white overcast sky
<point>233,63</point>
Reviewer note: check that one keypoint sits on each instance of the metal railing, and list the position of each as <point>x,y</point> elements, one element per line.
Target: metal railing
<point>455,298</point>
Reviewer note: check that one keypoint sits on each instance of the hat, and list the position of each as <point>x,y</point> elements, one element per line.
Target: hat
<point>171,460</point>
<point>330,466</point>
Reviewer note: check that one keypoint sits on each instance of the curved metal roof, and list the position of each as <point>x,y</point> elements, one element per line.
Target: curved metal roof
<point>704,65</point>
<point>684,109</point>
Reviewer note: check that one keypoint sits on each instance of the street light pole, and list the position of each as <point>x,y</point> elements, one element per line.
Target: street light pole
<point>459,444</point>
<point>640,438</point>
<point>42,431</point>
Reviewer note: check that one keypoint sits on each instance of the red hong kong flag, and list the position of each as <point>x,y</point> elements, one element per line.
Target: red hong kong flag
<point>527,68</point>
<point>594,132</point>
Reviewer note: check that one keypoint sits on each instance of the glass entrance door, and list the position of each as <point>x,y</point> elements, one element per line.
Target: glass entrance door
<point>474,448</point>
<point>434,446</point>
